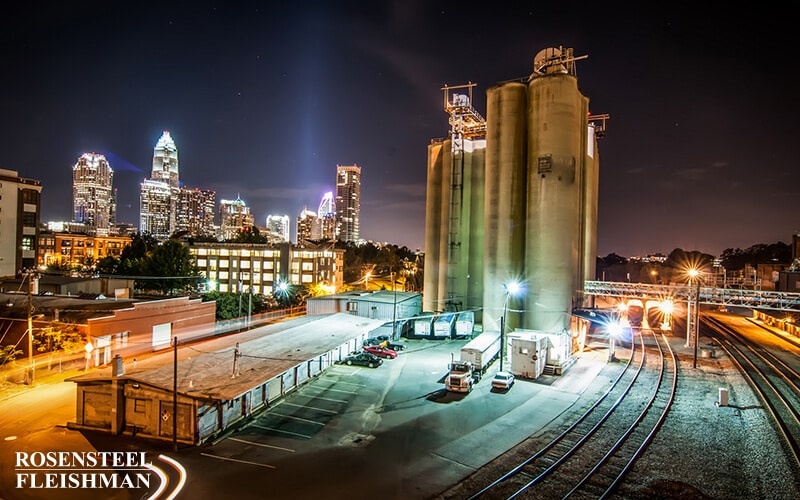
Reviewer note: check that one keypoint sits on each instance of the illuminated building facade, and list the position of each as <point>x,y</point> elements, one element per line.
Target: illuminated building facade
<point>195,214</point>
<point>20,209</point>
<point>348,202</point>
<point>158,202</point>
<point>77,250</point>
<point>260,268</point>
<point>327,217</point>
<point>93,196</point>
<point>233,216</point>
<point>308,227</point>
<point>278,228</point>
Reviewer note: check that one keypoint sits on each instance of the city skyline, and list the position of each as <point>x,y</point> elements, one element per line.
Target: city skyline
<point>264,102</point>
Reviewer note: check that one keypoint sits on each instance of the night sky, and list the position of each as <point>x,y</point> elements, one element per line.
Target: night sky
<point>263,101</point>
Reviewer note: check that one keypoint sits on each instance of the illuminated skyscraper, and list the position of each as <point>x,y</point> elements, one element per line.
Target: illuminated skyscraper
<point>348,202</point>
<point>164,180</point>
<point>278,228</point>
<point>233,216</point>
<point>93,194</point>
<point>308,227</point>
<point>327,217</point>
<point>195,213</point>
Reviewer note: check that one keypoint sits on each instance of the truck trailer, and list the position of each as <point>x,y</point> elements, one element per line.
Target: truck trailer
<point>476,356</point>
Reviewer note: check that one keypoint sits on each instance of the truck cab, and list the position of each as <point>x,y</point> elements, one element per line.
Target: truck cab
<point>460,377</point>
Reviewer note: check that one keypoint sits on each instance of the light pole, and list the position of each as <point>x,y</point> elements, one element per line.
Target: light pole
<point>511,289</point>
<point>394,307</point>
<point>695,275</point>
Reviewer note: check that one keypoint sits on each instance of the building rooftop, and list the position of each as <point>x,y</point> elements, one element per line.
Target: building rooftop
<point>207,370</point>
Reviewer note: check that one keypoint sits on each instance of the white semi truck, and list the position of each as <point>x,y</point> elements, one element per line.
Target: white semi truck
<point>476,357</point>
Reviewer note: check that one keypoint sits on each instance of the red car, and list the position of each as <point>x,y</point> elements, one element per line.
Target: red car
<point>381,351</point>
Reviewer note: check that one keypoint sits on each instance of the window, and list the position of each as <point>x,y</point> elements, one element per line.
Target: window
<point>27,242</point>
<point>352,306</point>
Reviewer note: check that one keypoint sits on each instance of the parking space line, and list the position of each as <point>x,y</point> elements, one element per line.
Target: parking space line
<point>339,390</point>
<point>297,418</point>
<point>312,408</point>
<point>271,429</point>
<point>343,401</point>
<point>268,466</point>
<point>245,441</point>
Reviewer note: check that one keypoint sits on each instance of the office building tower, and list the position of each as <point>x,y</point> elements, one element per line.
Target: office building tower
<point>195,214</point>
<point>233,216</point>
<point>163,179</point>
<point>20,208</point>
<point>327,217</point>
<point>308,227</point>
<point>348,202</point>
<point>278,228</point>
<point>154,209</point>
<point>93,196</point>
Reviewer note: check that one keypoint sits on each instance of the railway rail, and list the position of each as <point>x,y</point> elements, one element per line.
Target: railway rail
<point>774,375</point>
<point>592,455</point>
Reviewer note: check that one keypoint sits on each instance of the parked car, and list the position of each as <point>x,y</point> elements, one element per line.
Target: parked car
<point>363,359</point>
<point>375,341</point>
<point>386,341</point>
<point>381,351</point>
<point>396,346</point>
<point>503,380</point>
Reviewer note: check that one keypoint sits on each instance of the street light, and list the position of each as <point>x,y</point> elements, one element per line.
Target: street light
<point>512,289</point>
<point>694,274</point>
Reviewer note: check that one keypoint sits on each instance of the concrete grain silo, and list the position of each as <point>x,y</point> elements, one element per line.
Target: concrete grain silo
<point>557,130</point>
<point>539,196</point>
<point>505,193</point>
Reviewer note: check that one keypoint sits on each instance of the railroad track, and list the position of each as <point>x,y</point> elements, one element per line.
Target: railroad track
<point>590,458</point>
<point>774,376</point>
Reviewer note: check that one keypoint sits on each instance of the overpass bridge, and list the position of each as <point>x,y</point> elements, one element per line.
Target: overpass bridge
<point>758,299</point>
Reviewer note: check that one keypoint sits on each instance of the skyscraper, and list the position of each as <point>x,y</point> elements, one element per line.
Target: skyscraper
<point>327,217</point>
<point>92,193</point>
<point>195,213</point>
<point>163,181</point>
<point>278,228</point>
<point>233,216</point>
<point>348,202</point>
<point>308,227</point>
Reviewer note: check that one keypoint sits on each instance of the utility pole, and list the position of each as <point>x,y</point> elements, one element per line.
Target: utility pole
<point>235,360</point>
<point>175,394</point>
<point>30,374</point>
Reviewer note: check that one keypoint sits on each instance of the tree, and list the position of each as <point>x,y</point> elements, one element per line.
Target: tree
<point>249,234</point>
<point>172,261</point>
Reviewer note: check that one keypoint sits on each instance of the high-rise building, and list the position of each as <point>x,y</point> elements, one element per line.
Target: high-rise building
<point>195,213</point>
<point>233,216</point>
<point>348,202</point>
<point>308,227</point>
<point>20,205</point>
<point>164,179</point>
<point>154,209</point>
<point>278,228</point>
<point>327,217</point>
<point>93,196</point>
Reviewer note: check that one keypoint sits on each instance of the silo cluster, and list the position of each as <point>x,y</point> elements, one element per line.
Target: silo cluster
<point>528,209</point>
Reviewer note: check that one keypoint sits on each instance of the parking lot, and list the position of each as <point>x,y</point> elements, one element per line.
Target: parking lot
<point>354,431</point>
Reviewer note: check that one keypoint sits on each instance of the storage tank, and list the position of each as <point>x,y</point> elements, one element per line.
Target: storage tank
<point>557,124</point>
<point>504,218</point>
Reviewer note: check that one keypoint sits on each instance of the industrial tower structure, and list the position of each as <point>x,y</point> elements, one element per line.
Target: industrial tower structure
<point>514,198</point>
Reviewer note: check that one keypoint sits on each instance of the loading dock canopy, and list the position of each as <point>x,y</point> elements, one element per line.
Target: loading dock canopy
<point>263,353</point>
